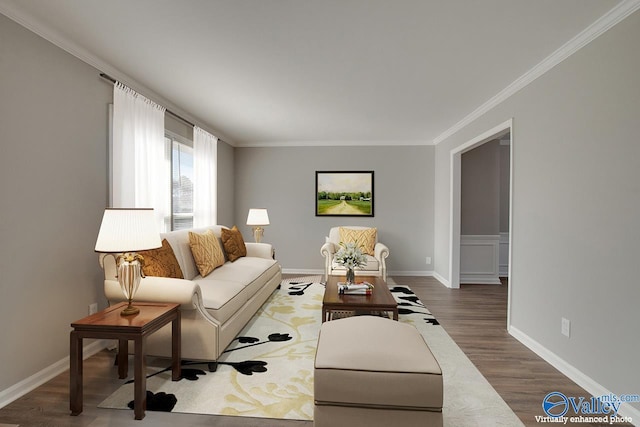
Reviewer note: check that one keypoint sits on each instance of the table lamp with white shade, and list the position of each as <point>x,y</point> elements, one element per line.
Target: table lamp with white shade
<point>258,218</point>
<point>122,233</point>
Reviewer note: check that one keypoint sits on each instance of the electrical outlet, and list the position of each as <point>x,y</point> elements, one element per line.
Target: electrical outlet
<point>428,259</point>
<point>93,308</point>
<point>566,327</point>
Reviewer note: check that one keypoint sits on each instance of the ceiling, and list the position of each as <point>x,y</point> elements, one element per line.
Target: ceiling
<point>314,72</point>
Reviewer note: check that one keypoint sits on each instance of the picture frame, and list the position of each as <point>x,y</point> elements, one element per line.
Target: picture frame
<point>345,193</point>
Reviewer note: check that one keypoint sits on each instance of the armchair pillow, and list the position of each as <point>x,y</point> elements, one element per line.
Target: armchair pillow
<point>366,238</point>
<point>161,262</point>
<point>233,243</point>
<point>206,251</point>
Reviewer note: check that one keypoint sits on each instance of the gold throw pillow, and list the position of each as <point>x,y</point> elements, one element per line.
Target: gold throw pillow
<point>206,251</point>
<point>365,238</point>
<point>161,262</point>
<point>233,243</point>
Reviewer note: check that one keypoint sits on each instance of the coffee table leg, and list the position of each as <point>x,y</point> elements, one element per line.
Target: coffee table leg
<point>140,380</point>
<point>75,371</point>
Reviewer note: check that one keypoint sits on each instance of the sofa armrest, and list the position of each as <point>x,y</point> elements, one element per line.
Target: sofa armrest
<point>328,249</point>
<point>259,250</point>
<point>159,289</point>
<point>381,251</point>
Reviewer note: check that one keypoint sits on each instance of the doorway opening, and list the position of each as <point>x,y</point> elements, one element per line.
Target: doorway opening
<point>504,132</point>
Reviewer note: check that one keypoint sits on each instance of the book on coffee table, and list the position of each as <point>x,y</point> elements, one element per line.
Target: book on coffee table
<point>364,288</point>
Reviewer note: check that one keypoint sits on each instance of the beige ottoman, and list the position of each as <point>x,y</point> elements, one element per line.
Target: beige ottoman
<point>372,371</point>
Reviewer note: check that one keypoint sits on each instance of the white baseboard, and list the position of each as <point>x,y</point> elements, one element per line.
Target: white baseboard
<point>410,273</point>
<point>479,280</point>
<point>303,271</point>
<point>577,376</point>
<point>312,272</point>
<point>442,280</point>
<point>36,380</point>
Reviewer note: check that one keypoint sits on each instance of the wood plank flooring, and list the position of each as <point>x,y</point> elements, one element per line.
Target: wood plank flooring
<point>474,316</point>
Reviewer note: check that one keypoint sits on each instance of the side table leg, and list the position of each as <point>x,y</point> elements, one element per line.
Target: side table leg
<point>176,343</point>
<point>75,372</point>
<point>140,380</point>
<point>123,358</point>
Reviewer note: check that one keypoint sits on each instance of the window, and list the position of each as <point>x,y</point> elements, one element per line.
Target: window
<point>180,155</point>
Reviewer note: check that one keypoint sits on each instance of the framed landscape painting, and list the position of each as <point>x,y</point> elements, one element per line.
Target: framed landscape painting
<point>344,193</point>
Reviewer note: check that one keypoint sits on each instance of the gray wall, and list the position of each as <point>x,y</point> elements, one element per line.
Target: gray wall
<point>576,205</point>
<point>53,187</point>
<point>283,181</point>
<point>484,204</point>
<point>480,190</point>
<point>505,186</point>
<point>226,183</point>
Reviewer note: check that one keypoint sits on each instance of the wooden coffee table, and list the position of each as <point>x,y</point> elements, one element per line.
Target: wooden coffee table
<point>109,324</point>
<point>380,299</point>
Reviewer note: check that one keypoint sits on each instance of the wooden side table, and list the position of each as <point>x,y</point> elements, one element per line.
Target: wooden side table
<point>109,324</point>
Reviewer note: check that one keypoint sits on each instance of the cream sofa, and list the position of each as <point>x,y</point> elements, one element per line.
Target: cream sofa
<point>213,308</point>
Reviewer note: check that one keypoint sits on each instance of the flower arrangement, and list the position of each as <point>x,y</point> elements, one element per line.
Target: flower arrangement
<point>350,256</point>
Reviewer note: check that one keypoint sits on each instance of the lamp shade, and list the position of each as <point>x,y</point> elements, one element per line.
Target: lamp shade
<point>258,217</point>
<point>128,230</point>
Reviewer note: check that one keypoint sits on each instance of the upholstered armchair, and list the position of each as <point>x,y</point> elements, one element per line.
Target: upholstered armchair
<point>365,236</point>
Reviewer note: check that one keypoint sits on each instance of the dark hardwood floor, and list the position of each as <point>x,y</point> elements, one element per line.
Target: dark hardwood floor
<point>474,316</point>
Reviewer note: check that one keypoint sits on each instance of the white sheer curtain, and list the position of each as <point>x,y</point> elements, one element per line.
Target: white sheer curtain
<point>140,175</point>
<point>205,160</point>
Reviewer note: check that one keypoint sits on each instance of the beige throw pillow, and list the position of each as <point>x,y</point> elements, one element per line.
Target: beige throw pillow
<point>233,243</point>
<point>206,251</point>
<point>365,238</point>
<point>161,262</point>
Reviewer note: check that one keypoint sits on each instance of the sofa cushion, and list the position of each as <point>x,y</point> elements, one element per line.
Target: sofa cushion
<point>365,238</point>
<point>206,251</point>
<point>233,243</point>
<point>161,262</point>
<point>222,298</point>
<point>227,288</point>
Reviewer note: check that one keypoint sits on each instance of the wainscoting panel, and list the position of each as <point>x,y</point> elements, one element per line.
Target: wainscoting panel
<point>479,259</point>
<point>503,270</point>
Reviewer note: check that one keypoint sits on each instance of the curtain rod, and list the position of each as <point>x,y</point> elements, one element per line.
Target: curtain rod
<point>112,80</point>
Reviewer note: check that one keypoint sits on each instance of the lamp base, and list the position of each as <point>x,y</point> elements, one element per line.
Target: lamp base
<point>258,232</point>
<point>129,310</point>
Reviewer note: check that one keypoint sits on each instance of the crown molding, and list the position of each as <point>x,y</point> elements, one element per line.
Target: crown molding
<point>593,31</point>
<point>333,143</point>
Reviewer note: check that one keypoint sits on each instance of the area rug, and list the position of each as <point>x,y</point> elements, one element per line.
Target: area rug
<point>267,372</point>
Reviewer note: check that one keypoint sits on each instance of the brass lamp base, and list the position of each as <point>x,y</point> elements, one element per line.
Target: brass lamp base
<point>129,275</point>
<point>129,310</point>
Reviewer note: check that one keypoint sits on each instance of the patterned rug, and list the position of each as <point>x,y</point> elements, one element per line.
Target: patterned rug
<point>267,372</point>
